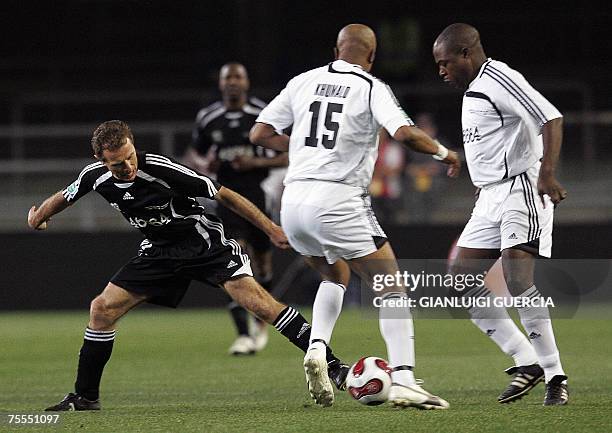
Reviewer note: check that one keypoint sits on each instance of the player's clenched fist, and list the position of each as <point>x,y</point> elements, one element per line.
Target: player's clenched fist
<point>33,220</point>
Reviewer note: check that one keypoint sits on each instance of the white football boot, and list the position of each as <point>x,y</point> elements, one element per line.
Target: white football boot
<point>243,345</point>
<point>415,396</point>
<point>259,333</point>
<point>315,367</point>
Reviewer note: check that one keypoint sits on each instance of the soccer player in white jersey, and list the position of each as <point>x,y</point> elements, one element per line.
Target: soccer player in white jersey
<point>512,139</point>
<point>337,111</point>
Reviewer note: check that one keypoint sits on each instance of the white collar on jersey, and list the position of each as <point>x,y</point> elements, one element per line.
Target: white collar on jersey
<point>480,71</point>
<point>345,64</point>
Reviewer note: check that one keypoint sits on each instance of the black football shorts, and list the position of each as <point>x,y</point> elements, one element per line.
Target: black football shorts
<point>163,273</point>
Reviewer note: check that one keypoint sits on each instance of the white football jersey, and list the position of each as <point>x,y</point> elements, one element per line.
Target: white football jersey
<point>502,118</point>
<point>336,112</point>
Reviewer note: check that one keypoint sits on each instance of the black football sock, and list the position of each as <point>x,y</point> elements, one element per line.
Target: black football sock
<point>292,325</point>
<point>240,317</point>
<point>95,353</point>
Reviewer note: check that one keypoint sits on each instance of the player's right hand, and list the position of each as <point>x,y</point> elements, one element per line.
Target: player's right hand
<point>32,220</point>
<point>549,185</point>
<point>454,164</point>
<point>278,238</point>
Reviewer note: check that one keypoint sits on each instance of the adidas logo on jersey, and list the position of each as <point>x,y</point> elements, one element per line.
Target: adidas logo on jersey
<point>534,335</point>
<point>231,264</point>
<point>512,236</point>
<point>127,196</point>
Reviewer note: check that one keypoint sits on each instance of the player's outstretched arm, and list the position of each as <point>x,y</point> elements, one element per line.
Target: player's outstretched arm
<point>38,217</point>
<point>552,135</point>
<point>265,136</point>
<point>420,142</point>
<point>243,207</point>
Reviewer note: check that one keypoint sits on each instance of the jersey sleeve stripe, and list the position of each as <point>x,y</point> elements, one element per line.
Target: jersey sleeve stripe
<point>209,117</point>
<point>517,92</point>
<point>211,189</point>
<point>207,110</point>
<point>518,89</point>
<point>257,102</point>
<point>251,109</point>
<point>165,162</point>
<point>148,177</point>
<point>70,195</point>
<point>484,67</point>
<point>101,179</point>
<point>517,97</point>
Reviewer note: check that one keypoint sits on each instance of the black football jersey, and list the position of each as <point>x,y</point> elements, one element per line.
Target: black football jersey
<point>160,201</point>
<point>227,133</point>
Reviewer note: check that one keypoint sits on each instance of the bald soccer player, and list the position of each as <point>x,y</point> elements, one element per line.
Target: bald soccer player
<point>337,111</point>
<point>512,139</point>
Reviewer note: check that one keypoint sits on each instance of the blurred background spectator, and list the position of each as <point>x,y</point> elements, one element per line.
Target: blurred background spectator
<point>425,178</point>
<point>387,185</point>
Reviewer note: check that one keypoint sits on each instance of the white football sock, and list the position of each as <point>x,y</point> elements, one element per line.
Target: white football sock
<point>397,330</point>
<point>537,324</point>
<point>325,310</point>
<point>499,327</point>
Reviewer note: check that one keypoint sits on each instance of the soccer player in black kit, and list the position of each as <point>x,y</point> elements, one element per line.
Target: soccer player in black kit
<point>182,243</point>
<point>221,145</point>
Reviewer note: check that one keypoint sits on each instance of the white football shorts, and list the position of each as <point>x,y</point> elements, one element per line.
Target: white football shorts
<point>510,213</point>
<point>329,219</point>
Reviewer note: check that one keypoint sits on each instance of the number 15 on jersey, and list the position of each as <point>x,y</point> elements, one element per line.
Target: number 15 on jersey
<point>331,126</point>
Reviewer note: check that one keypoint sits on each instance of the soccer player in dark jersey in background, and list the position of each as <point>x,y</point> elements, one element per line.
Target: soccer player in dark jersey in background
<point>182,243</point>
<point>221,146</point>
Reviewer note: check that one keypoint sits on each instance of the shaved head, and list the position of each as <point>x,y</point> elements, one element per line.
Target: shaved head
<point>458,36</point>
<point>459,54</point>
<point>356,43</point>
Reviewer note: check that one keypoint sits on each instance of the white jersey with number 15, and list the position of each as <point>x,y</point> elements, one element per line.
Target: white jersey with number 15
<point>336,112</point>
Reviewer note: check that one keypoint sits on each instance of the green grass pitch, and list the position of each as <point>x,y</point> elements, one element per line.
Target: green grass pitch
<point>170,373</point>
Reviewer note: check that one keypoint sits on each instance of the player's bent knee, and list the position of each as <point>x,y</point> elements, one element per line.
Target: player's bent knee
<point>101,315</point>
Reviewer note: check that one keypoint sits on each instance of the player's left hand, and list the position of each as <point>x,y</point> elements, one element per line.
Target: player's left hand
<point>244,163</point>
<point>278,237</point>
<point>454,164</point>
<point>548,185</point>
